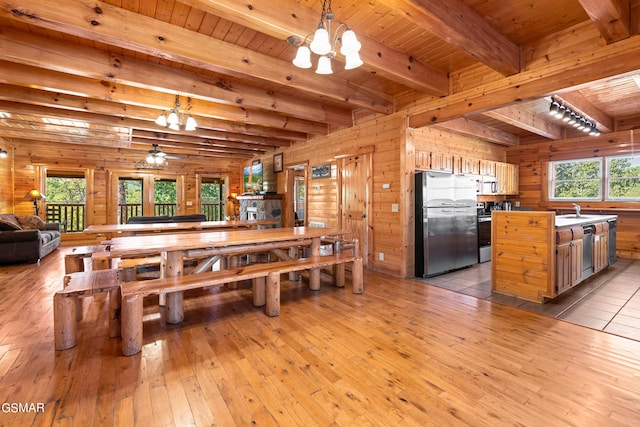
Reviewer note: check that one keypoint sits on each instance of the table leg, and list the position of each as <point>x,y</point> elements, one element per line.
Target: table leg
<point>172,265</point>
<point>234,262</point>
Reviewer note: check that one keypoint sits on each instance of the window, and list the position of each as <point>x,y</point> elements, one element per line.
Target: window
<point>623,178</point>
<point>576,179</point>
<point>66,198</point>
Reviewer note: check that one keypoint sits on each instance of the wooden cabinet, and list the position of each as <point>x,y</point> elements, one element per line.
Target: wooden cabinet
<point>468,166</point>
<point>441,162</point>
<point>507,176</point>
<point>434,161</point>
<point>601,246</point>
<point>568,258</point>
<point>487,168</point>
<point>423,159</point>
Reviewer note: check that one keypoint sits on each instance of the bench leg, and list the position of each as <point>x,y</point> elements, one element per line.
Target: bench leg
<point>339,275</point>
<point>259,291</point>
<point>64,321</point>
<point>132,309</point>
<point>175,307</point>
<point>114,313</point>
<point>356,276</point>
<point>314,279</point>
<point>273,294</point>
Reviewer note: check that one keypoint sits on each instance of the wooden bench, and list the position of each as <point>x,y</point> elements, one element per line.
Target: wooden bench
<point>65,303</point>
<point>266,289</point>
<point>74,261</point>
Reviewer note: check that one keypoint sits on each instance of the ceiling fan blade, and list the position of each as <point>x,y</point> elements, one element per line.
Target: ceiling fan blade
<point>173,157</point>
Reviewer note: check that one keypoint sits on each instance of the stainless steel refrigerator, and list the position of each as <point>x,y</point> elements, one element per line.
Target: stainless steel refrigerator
<point>446,236</point>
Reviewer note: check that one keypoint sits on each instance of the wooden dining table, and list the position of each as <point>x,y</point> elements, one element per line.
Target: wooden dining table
<point>174,248</point>
<point>123,230</point>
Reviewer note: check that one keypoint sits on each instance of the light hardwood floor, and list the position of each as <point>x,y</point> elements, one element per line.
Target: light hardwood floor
<point>401,354</point>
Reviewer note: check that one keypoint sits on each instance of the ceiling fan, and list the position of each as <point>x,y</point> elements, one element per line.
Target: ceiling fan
<point>158,157</point>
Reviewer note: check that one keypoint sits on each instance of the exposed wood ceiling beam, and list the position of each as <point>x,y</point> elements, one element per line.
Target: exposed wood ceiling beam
<point>234,142</point>
<point>25,76</point>
<point>535,123</point>
<point>282,19</point>
<point>611,17</point>
<point>570,71</point>
<point>582,105</point>
<point>119,27</point>
<point>459,25</point>
<point>29,49</point>
<point>62,105</point>
<point>478,130</point>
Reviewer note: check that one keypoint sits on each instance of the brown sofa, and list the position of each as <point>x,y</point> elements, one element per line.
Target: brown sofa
<point>26,238</point>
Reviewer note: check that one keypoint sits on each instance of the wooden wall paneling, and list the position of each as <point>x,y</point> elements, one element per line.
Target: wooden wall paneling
<point>105,164</point>
<point>382,132</point>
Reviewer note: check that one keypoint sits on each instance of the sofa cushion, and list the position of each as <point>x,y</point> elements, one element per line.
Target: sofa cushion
<point>9,222</point>
<point>48,236</point>
<point>30,222</point>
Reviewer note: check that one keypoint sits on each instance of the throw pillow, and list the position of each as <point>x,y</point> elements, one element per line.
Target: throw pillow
<point>9,222</point>
<point>30,222</point>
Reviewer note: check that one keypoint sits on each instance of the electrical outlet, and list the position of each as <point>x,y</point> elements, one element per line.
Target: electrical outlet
<point>381,256</point>
<point>394,207</point>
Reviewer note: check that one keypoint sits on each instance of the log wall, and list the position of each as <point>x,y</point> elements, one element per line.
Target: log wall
<point>32,158</point>
<point>6,178</point>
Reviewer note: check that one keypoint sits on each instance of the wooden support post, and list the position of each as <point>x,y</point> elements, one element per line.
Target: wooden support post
<point>132,309</point>
<point>273,295</point>
<point>259,295</point>
<point>172,265</point>
<point>64,321</point>
<point>314,273</point>
<point>114,312</point>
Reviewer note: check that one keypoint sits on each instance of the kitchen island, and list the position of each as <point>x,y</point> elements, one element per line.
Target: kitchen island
<point>537,255</point>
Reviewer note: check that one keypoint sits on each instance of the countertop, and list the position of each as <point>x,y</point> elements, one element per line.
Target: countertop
<point>571,219</point>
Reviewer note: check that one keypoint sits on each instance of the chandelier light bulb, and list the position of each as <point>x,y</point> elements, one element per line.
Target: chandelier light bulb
<point>173,118</point>
<point>320,44</point>
<point>324,65</point>
<point>352,61</point>
<point>303,57</point>
<point>350,43</point>
<point>191,123</point>
<point>162,120</point>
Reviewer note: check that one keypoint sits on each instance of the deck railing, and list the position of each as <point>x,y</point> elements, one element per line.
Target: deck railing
<point>69,215</point>
<point>214,211</point>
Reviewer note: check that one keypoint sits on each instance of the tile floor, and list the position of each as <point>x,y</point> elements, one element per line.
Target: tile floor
<point>608,301</point>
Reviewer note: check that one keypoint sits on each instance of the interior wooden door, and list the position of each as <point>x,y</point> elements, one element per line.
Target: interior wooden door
<point>355,193</point>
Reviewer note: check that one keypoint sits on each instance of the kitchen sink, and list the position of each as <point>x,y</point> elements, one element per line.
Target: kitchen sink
<point>573,216</point>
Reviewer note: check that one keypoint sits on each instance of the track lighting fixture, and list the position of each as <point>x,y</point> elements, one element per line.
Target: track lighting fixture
<point>175,120</point>
<point>322,45</point>
<point>570,117</point>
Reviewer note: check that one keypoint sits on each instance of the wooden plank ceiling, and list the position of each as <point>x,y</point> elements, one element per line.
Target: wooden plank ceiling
<point>100,72</point>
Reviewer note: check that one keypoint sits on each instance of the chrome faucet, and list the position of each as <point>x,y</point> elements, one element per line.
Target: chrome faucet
<point>577,208</point>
